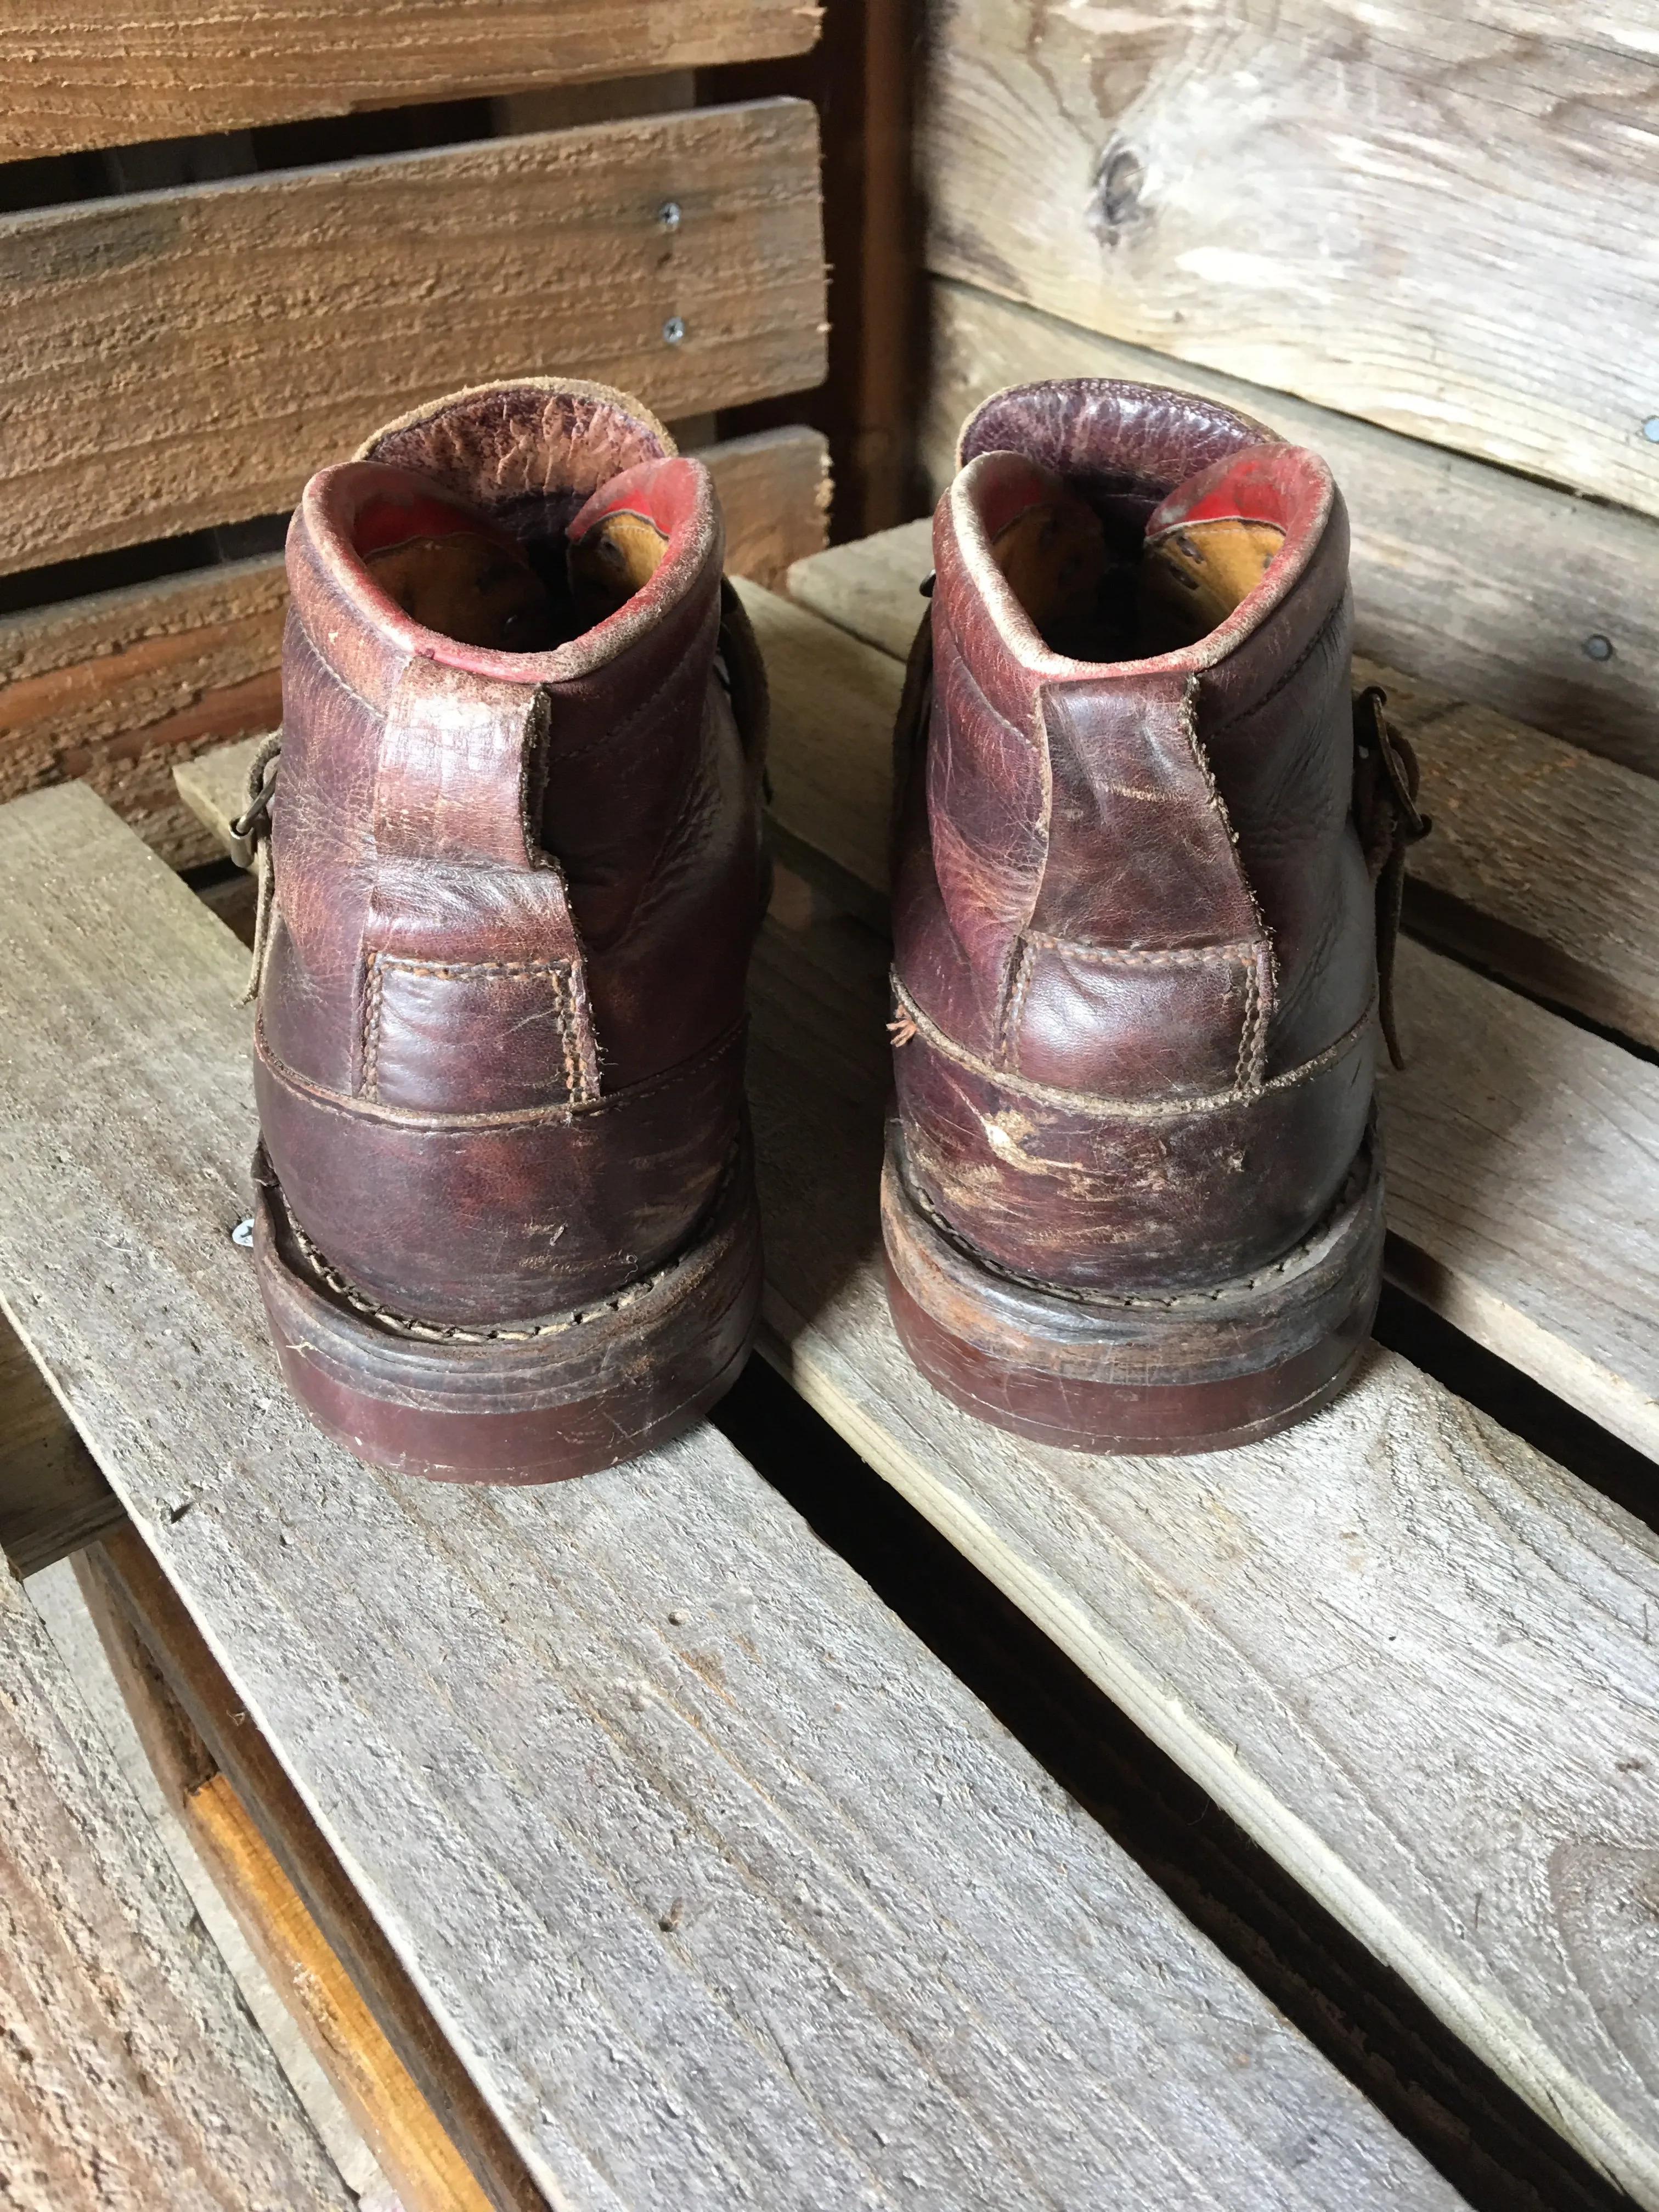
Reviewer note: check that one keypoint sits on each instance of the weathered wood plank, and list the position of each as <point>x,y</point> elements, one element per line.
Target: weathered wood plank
<point>53,1496</point>
<point>117,687</point>
<point>133,2075</point>
<point>1543,864</point>
<point>1482,582</point>
<point>1408,1655</point>
<point>111,76</point>
<point>188,357</point>
<point>1418,217</point>
<point>721,1885</point>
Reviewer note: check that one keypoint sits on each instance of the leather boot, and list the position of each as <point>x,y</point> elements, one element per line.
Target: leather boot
<point>506,1226</point>
<point>1133,1199</point>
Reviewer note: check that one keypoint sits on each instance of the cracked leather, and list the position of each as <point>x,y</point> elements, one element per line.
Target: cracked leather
<point>1134,925</point>
<point>499,1052</point>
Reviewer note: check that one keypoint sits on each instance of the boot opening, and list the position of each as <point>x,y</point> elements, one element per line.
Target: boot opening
<point>1100,584</point>
<point>450,568</point>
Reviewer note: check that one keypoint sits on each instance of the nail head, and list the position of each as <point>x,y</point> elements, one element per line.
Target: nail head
<point>1651,430</point>
<point>673,330</point>
<point>668,215</point>
<point>1597,648</point>
<point>242,1234</point>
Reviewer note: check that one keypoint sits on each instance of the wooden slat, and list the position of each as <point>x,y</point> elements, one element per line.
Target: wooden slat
<point>188,357</point>
<point>1543,866</point>
<point>102,75</point>
<point>117,687</point>
<point>1482,582</point>
<point>1411,1657</point>
<point>133,2076</point>
<point>725,1890</point>
<point>1440,219</point>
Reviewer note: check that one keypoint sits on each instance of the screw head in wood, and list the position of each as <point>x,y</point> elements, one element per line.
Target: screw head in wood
<point>1651,430</point>
<point>1597,648</point>
<point>668,215</point>
<point>242,1234</point>
<point>673,330</point>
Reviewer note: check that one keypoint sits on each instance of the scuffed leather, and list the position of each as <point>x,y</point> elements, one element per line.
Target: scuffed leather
<point>499,1038</point>
<point>1134,928</point>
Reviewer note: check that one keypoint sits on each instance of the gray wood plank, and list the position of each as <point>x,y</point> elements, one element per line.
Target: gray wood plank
<point>1411,1657</point>
<point>133,2076</point>
<point>1441,218</point>
<point>724,1889</point>
<point>1484,582</point>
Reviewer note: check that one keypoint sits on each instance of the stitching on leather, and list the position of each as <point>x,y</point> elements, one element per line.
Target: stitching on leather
<point>1288,676</point>
<point>372,1031</point>
<point>1101,1109</point>
<point>1247,1029</point>
<point>1128,956</point>
<point>425,1122</point>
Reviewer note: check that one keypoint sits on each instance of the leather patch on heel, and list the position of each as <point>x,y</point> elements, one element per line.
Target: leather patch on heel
<point>475,1036</point>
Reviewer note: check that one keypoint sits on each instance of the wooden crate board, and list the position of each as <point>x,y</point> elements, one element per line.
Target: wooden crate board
<point>1544,863</point>
<point>1412,1658</point>
<point>119,687</point>
<point>1439,220</point>
<point>117,74</point>
<point>133,2074</point>
<point>1479,581</point>
<point>177,359</point>
<point>720,1883</point>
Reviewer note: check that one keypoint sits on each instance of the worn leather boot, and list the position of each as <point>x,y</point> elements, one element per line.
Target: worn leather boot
<point>1132,1199</point>
<point>505,1225</point>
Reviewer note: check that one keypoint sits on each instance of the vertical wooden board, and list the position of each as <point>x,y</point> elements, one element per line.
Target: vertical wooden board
<point>724,1888</point>
<point>1414,1659</point>
<point>181,358</point>
<point>133,2076</point>
<point>101,76</point>
<point>119,688</point>
<point>1443,220</point>
<point>1480,582</point>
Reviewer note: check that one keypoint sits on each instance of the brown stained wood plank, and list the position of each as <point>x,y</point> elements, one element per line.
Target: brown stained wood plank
<point>1408,1655</point>
<point>119,688</point>
<point>133,2075</point>
<point>1482,582</point>
<point>187,357</point>
<point>1442,220</point>
<point>101,76</point>
<point>720,1883</point>
<point>1543,866</point>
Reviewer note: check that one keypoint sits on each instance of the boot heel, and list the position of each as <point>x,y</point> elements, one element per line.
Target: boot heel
<point>1193,1373</point>
<point>531,1402</point>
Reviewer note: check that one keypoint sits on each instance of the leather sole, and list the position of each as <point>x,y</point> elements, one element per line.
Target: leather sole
<point>1193,1373</point>
<point>531,1401</point>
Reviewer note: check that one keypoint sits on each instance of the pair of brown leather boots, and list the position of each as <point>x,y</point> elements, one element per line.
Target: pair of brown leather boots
<point>507,1227</point>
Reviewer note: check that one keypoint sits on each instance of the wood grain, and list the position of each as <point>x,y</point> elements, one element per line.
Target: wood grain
<point>1411,1657</point>
<point>93,76</point>
<point>722,1886</point>
<point>1479,581</point>
<point>1543,866</point>
<point>119,688</point>
<point>181,358</point>
<point>1441,220</point>
<point>133,2075</point>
